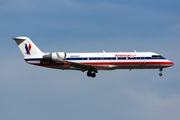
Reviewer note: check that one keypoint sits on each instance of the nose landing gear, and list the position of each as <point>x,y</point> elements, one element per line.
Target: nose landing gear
<point>160,74</point>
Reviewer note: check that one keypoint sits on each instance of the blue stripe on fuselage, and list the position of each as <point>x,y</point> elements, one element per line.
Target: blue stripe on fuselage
<point>112,58</point>
<point>100,58</point>
<point>33,59</point>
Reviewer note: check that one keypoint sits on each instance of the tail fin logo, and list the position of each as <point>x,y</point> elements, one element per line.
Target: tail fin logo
<point>28,48</point>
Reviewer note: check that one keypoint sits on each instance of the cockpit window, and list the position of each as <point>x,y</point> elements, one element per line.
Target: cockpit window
<point>157,56</point>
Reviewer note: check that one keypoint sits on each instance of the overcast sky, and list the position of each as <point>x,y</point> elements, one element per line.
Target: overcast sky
<point>34,93</point>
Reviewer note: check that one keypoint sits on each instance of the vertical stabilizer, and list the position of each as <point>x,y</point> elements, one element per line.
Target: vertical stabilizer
<point>27,47</point>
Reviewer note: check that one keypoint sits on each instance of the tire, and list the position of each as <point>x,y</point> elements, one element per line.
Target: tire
<point>89,74</point>
<point>93,75</point>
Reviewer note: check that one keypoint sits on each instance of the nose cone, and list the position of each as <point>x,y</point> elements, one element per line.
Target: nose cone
<point>169,64</point>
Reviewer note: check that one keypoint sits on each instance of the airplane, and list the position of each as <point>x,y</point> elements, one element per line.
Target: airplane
<point>91,62</point>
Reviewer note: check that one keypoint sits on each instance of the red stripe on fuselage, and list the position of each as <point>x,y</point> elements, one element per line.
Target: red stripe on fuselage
<point>107,63</point>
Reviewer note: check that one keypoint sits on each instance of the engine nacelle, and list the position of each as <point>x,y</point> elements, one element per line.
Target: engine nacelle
<point>58,56</point>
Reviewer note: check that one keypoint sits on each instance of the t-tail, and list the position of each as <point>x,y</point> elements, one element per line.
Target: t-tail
<point>27,47</point>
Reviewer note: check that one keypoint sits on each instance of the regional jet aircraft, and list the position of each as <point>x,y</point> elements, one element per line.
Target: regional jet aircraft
<point>91,62</point>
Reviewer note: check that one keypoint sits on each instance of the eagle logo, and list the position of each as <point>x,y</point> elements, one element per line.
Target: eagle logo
<point>28,48</point>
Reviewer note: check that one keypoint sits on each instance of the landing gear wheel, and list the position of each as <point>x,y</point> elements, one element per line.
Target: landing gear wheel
<point>89,74</point>
<point>93,75</point>
<point>160,74</point>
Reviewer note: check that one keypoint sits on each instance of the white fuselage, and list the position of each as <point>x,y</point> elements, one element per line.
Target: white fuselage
<point>91,62</point>
<point>106,61</point>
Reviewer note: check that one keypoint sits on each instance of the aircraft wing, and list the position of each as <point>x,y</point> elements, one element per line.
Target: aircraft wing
<point>82,67</point>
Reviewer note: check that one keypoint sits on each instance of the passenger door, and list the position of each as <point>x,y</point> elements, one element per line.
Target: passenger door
<point>142,60</point>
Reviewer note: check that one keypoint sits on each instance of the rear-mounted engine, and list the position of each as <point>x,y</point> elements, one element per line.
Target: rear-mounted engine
<point>56,56</point>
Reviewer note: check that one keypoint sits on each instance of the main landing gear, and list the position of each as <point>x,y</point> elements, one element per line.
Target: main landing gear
<point>91,73</point>
<point>160,74</point>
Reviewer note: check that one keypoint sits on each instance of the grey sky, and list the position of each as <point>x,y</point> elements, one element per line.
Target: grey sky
<point>31,92</point>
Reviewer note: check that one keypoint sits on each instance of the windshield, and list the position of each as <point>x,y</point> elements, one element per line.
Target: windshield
<point>157,56</point>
